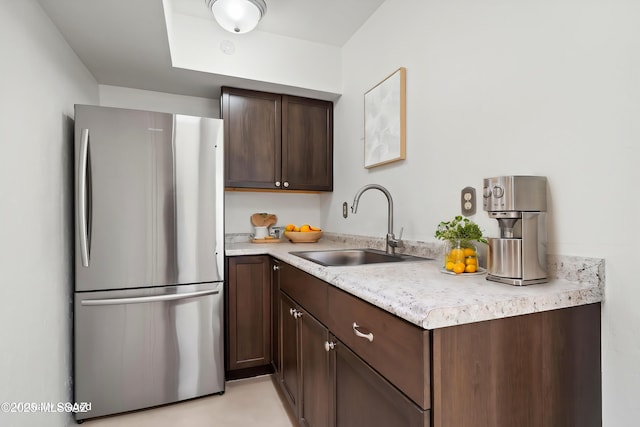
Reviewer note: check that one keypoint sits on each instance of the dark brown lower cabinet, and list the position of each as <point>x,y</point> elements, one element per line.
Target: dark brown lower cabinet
<point>304,364</point>
<point>275,314</point>
<point>346,363</point>
<point>314,370</point>
<point>327,385</point>
<point>248,316</point>
<point>289,375</point>
<point>536,370</point>
<point>572,369</point>
<point>363,398</point>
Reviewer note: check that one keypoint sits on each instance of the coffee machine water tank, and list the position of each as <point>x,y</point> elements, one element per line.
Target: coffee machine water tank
<point>515,193</point>
<point>519,204</point>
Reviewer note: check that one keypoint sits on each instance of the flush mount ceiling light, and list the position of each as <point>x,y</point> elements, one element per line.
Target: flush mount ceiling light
<point>237,16</point>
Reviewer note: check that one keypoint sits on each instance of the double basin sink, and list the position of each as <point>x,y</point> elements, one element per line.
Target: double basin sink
<point>345,257</point>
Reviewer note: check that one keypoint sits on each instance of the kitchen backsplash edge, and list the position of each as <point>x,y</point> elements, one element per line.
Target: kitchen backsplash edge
<point>571,268</point>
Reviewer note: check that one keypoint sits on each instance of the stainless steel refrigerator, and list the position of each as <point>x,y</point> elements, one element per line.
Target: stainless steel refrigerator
<point>149,259</point>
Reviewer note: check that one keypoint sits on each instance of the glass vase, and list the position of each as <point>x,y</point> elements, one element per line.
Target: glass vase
<point>460,256</point>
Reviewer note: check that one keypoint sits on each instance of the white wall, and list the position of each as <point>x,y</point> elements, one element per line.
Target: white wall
<point>41,80</point>
<point>497,87</point>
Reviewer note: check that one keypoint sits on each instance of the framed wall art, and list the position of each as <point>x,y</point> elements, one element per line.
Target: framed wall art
<point>385,121</point>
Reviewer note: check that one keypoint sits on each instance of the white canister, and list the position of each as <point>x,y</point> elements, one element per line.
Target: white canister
<point>261,232</point>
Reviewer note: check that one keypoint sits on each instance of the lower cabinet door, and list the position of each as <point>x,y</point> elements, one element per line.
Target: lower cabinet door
<point>249,313</point>
<point>363,398</point>
<point>289,362</point>
<point>314,360</point>
<point>275,315</point>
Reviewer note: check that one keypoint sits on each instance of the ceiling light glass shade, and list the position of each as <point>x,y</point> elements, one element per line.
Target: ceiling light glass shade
<point>237,16</point>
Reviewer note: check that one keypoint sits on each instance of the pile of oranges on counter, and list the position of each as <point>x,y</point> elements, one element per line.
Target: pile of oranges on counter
<point>303,228</point>
<point>461,260</point>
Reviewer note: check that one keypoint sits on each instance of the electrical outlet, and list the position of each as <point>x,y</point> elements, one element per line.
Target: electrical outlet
<point>468,201</point>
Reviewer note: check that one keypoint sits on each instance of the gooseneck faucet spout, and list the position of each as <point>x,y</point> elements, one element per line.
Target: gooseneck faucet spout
<point>392,242</point>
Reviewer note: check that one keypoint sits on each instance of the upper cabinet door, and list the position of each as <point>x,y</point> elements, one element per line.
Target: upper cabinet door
<point>252,138</point>
<point>307,144</point>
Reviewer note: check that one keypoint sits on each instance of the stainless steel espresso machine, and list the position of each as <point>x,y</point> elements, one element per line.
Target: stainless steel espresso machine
<point>519,203</point>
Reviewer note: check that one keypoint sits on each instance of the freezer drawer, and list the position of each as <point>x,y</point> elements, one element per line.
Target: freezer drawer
<point>140,348</point>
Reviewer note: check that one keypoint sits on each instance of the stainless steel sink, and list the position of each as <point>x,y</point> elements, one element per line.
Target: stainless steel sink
<point>343,257</point>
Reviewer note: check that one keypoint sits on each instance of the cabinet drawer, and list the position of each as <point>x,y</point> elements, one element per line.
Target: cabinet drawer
<point>395,348</point>
<point>305,289</point>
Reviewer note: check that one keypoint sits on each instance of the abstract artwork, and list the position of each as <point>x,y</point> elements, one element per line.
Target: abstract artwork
<point>385,121</point>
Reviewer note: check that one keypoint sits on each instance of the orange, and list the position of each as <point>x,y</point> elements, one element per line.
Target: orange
<point>456,253</point>
<point>305,228</point>
<point>469,252</point>
<point>449,265</point>
<point>289,227</point>
<point>459,267</point>
<point>470,268</point>
<point>471,261</point>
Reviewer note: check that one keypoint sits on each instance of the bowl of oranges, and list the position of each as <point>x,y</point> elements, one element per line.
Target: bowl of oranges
<point>304,234</point>
<point>460,253</point>
<point>461,258</point>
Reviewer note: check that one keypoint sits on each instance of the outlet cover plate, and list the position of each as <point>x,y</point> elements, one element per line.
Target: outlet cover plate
<point>468,201</point>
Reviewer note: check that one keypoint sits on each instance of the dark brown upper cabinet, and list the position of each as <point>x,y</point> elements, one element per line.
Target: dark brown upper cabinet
<point>277,142</point>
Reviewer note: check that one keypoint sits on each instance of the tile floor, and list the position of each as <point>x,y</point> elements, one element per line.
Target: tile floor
<point>245,403</point>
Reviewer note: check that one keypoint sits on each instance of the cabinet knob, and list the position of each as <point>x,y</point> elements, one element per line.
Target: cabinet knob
<point>286,184</point>
<point>277,183</point>
<point>368,336</point>
<point>297,314</point>
<point>292,311</point>
<point>276,267</point>
<point>328,346</point>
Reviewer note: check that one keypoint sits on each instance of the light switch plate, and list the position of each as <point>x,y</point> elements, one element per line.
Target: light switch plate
<point>468,201</point>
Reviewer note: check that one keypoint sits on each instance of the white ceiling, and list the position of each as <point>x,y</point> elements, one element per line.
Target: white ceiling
<point>124,42</point>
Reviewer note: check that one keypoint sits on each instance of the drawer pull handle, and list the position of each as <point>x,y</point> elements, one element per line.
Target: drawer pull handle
<point>328,346</point>
<point>368,336</point>
<point>292,311</point>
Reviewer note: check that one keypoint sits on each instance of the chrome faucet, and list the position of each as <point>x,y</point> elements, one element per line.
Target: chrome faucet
<point>392,242</point>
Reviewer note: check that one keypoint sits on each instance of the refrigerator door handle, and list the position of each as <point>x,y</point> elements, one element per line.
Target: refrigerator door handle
<point>82,198</point>
<point>155,298</point>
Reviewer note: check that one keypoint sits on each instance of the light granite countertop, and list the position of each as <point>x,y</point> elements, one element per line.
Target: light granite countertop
<point>420,293</point>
